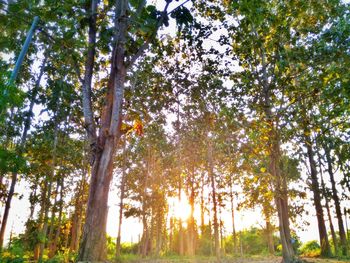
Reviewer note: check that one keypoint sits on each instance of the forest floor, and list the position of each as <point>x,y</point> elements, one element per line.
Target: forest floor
<point>253,259</point>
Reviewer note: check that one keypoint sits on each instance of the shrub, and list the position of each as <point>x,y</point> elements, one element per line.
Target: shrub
<point>310,249</point>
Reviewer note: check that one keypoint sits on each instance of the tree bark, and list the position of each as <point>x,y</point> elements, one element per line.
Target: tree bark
<point>44,230</point>
<point>234,234</point>
<point>269,236</point>
<point>215,210</point>
<point>121,204</point>
<point>334,236</point>
<point>329,215</point>
<point>78,213</point>
<point>54,242</point>
<point>191,222</point>
<point>336,200</point>
<point>202,207</point>
<point>325,248</point>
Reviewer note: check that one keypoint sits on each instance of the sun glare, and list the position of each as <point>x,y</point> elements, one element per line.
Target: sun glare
<point>179,208</point>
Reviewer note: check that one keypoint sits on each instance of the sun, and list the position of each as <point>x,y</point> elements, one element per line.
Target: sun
<point>179,208</point>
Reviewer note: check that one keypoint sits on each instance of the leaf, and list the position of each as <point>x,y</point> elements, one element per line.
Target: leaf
<point>138,127</point>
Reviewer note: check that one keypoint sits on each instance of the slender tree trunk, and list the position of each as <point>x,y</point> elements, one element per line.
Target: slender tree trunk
<point>181,234</point>
<point>49,187</point>
<point>234,235</point>
<point>336,202</point>
<point>202,206</point>
<point>53,244</point>
<point>281,193</point>
<point>325,248</point>
<point>191,226</point>
<point>145,236</point>
<point>171,233</point>
<point>334,236</point>
<point>78,213</point>
<point>26,128</point>
<point>215,210</point>
<point>41,219</point>
<point>121,204</point>
<point>269,236</point>
<point>53,214</point>
<point>329,215</point>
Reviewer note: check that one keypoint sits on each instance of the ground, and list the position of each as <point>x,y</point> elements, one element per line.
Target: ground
<point>231,260</point>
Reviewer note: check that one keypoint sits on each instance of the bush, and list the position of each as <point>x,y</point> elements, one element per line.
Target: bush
<point>129,248</point>
<point>310,249</point>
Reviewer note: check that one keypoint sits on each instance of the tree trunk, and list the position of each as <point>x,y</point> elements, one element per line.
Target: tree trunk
<point>202,206</point>
<point>191,225</point>
<point>280,182</point>
<point>54,242</point>
<point>93,244</point>
<point>215,210</point>
<point>325,248</point>
<point>234,235</point>
<point>334,236</point>
<point>53,214</point>
<point>336,201</point>
<point>44,230</point>
<point>78,213</point>
<point>325,196</point>
<point>269,236</point>
<point>121,204</point>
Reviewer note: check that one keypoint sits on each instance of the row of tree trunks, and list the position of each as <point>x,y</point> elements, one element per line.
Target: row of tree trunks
<point>77,218</point>
<point>26,127</point>
<point>336,200</point>
<point>214,197</point>
<point>325,247</point>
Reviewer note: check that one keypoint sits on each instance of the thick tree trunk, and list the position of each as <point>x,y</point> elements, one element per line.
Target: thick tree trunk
<point>325,248</point>
<point>215,209</point>
<point>336,202</point>
<point>93,244</point>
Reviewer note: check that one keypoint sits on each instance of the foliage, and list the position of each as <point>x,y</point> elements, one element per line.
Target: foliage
<point>310,249</point>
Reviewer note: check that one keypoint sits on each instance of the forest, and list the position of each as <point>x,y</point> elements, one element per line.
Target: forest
<point>174,131</point>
